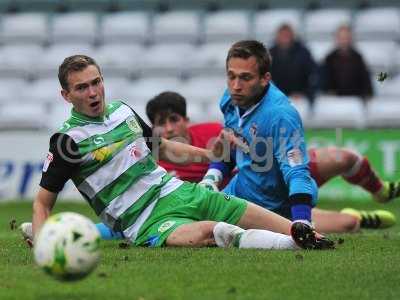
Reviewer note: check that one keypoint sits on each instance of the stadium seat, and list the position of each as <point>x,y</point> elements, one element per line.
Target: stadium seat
<point>379,56</point>
<point>118,60</point>
<point>320,49</point>
<point>377,24</point>
<point>47,63</point>
<point>11,89</point>
<point>176,26</point>
<point>205,90</point>
<point>383,112</point>
<point>31,116</point>
<point>142,90</point>
<point>226,26</point>
<point>198,112</point>
<point>397,60</point>
<point>209,59</point>
<point>19,60</point>
<point>214,114</point>
<point>387,88</point>
<point>42,91</point>
<point>74,28</point>
<point>116,88</point>
<point>128,27</point>
<point>166,60</point>
<point>60,111</point>
<point>267,22</point>
<point>337,112</point>
<point>302,105</point>
<point>140,108</point>
<point>25,28</point>
<point>320,25</point>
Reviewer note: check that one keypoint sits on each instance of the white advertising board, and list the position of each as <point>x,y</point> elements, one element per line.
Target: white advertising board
<point>21,159</point>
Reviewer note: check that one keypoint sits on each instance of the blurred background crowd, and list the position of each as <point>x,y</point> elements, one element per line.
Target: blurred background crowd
<point>339,61</point>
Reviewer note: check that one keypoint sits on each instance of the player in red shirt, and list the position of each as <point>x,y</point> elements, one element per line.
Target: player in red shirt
<point>167,113</point>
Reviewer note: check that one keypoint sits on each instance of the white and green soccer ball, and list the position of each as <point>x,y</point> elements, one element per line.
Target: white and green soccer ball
<point>67,246</point>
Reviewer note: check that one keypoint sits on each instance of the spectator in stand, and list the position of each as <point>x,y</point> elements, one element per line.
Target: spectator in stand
<point>293,69</point>
<point>344,71</point>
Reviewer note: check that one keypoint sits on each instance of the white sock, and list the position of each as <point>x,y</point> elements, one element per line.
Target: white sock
<point>225,234</point>
<point>228,235</point>
<point>264,239</point>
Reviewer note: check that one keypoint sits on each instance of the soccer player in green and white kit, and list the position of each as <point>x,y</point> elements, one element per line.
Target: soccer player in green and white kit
<point>102,148</point>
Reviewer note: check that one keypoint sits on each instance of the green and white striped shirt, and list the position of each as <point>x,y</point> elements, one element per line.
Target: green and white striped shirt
<point>110,163</point>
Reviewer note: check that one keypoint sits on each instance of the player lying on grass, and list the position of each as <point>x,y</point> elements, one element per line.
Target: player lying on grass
<point>168,115</point>
<point>105,150</point>
<point>261,115</point>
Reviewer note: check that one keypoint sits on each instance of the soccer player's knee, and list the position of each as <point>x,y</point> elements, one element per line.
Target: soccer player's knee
<point>203,236</point>
<point>350,158</point>
<point>345,158</point>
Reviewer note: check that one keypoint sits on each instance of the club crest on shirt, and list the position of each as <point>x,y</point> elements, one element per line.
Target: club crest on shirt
<point>253,130</point>
<point>294,157</point>
<point>47,161</point>
<point>133,125</point>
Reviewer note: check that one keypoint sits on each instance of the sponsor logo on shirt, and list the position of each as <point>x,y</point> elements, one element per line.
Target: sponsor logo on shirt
<point>107,151</point>
<point>165,226</point>
<point>48,160</point>
<point>98,140</point>
<point>134,125</point>
<point>295,157</point>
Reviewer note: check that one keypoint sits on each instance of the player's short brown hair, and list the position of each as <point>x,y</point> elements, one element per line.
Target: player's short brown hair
<point>74,63</point>
<point>247,48</point>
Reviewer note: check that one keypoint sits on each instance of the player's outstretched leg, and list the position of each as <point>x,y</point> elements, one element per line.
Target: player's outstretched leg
<point>376,219</point>
<point>228,235</point>
<point>106,233</point>
<point>389,191</point>
<point>27,233</point>
<point>330,162</point>
<point>361,173</point>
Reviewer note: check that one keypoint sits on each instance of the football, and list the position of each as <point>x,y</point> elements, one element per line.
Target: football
<point>67,246</point>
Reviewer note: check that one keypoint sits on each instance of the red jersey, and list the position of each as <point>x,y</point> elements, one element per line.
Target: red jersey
<point>200,135</point>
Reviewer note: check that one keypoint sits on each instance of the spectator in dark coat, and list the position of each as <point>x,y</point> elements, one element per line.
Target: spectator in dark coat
<point>345,72</point>
<point>293,68</point>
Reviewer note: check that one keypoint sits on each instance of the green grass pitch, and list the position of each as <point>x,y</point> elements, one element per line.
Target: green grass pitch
<point>365,266</point>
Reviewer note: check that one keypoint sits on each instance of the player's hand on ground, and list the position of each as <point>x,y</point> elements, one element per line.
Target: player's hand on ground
<point>27,234</point>
<point>29,243</point>
<point>305,236</point>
